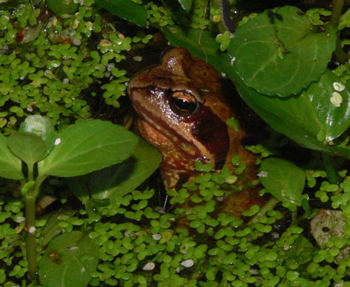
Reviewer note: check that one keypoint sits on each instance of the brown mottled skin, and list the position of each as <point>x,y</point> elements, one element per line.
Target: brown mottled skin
<point>186,137</point>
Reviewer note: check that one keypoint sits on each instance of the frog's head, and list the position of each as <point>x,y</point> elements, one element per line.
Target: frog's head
<point>182,112</point>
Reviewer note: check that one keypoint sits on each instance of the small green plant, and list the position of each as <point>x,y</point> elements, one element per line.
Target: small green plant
<point>37,151</point>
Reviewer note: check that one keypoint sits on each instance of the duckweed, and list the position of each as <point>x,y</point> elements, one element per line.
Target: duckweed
<point>54,71</point>
<point>207,245</point>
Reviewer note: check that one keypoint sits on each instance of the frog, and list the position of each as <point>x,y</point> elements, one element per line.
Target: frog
<point>183,113</point>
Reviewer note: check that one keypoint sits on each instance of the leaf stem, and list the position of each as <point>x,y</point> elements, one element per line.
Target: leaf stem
<point>30,172</point>
<point>335,17</point>
<point>329,166</point>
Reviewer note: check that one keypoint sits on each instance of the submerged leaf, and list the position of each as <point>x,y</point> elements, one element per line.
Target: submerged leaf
<point>68,261</point>
<point>282,179</point>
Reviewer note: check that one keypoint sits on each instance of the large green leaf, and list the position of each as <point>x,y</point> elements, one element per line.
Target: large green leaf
<point>68,261</point>
<point>28,147</point>
<point>310,119</point>
<point>113,182</point>
<point>282,179</point>
<point>280,51</point>
<point>88,146</point>
<point>125,9</point>
<point>10,166</point>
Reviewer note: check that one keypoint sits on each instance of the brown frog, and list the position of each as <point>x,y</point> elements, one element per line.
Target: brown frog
<point>182,112</point>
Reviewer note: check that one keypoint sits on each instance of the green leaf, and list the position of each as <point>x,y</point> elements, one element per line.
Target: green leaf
<point>311,119</point>
<point>10,166</point>
<point>126,10</point>
<point>325,105</point>
<point>68,261</point>
<point>201,44</point>
<point>28,147</point>
<point>282,179</point>
<point>40,126</point>
<point>186,5</point>
<point>88,146</point>
<point>116,181</point>
<point>344,21</point>
<point>280,51</point>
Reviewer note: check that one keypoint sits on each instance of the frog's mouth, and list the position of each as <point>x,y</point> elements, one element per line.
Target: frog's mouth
<point>170,143</point>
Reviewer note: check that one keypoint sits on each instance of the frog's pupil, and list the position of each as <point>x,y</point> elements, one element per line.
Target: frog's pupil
<point>185,105</point>
<point>182,103</point>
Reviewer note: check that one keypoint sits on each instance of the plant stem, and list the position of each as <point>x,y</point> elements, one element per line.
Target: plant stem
<point>329,166</point>
<point>31,241</point>
<point>30,200</point>
<point>268,206</point>
<point>336,13</point>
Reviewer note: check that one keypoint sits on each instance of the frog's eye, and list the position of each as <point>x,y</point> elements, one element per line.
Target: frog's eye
<point>183,103</point>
